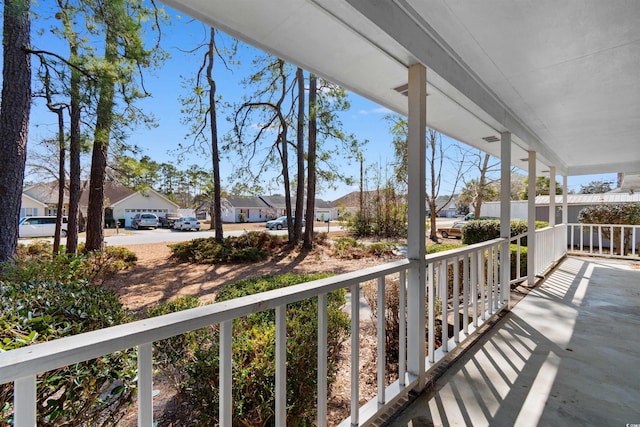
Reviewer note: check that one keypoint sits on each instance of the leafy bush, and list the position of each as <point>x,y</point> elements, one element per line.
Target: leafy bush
<point>254,360</point>
<point>95,392</point>
<point>350,248</point>
<point>252,246</point>
<point>608,213</point>
<point>37,262</point>
<point>171,355</point>
<point>484,230</point>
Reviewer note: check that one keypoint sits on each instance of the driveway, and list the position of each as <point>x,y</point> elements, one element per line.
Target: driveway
<point>141,237</point>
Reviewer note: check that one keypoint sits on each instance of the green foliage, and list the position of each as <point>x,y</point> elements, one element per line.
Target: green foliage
<point>350,248</point>
<point>611,213</point>
<point>513,249</point>
<point>441,247</point>
<point>253,355</point>
<point>37,262</point>
<point>483,230</point>
<point>383,215</point>
<point>252,246</point>
<point>95,392</point>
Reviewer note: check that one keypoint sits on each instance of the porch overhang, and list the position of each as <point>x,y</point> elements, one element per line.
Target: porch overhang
<point>562,78</point>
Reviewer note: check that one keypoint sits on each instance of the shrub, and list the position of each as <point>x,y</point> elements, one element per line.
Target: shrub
<point>252,246</point>
<point>626,214</point>
<point>38,263</point>
<point>350,248</point>
<point>483,230</point>
<point>95,392</point>
<point>253,355</point>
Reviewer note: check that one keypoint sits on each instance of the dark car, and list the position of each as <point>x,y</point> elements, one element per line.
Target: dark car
<point>167,220</point>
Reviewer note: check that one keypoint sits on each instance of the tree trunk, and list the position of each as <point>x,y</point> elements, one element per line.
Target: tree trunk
<point>297,226</point>
<point>61,180</point>
<point>311,164</point>
<point>216,211</point>
<point>104,120</point>
<point>74,157</point>
<point>14,120</point>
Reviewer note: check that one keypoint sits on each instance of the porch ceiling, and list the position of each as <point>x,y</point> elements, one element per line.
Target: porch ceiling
<point>561,76</point>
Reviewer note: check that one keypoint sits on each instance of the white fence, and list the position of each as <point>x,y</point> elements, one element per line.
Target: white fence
<point>469,277</point>
<point>610,240</point>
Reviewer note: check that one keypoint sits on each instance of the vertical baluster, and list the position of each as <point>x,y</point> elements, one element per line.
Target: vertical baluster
<point>572,236</point>
<point>474,287</point>
<point>355,354</point>
<point>581,238</point>
<point>402,356</point>
<point>322,359</point>
<point>600,239</point>
<point>456,300</point>
<point>611,240</point>
<point>281,365</point>
<point>145,385</point>
<point>497,283</point>
<point>24,401</point>
<point>622,240</point>
<point>443,280</point>
<point>465,293</point>
<point>518,241</point>
<point>633,241</point>
<point>482,284</point>
<point>225,405</point>
<point>432,313</point>
<point>490,282</point>
<point>381,339</point>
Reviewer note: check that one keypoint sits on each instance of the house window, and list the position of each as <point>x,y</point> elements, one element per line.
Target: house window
<point>31,211</point>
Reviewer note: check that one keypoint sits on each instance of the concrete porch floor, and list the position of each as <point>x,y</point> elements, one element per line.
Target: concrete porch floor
<point>568,354</point>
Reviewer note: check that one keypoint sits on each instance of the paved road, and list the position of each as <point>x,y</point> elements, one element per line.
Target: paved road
<point>140,237</point>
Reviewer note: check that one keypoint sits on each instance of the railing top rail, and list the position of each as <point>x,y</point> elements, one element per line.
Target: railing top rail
<point>31,360</point>
<point>578,224</point>
<point>440,256</point>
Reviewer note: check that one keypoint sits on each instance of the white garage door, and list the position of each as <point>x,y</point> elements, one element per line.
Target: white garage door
<point>130,213</point>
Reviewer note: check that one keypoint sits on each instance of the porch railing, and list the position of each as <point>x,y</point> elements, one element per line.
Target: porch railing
<point>467,281</point>
<point>610,240</point>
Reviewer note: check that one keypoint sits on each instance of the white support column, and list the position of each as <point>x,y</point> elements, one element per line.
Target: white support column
<point>505,214</point>
<point>416,147</point>
<point>565,206</point>
<point>531,221</point>
<point>552,196</point>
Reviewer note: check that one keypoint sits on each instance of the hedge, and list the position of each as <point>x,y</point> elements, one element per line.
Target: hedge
<point>483,230</point>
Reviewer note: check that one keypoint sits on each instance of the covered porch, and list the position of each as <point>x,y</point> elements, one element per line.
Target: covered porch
<point>564,355</point>
<point>517,80</point>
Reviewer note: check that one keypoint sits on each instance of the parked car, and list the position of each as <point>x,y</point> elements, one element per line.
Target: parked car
<point>280,223</point>
<point>40,226</point>
<point>145,220</point>
<point>167,220</point>
<point>187,223</point>
<point>454,231</point>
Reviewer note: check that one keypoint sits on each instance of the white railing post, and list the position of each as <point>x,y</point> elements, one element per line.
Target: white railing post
<point>281,365</point>
<point>226,397</point>
<point>505,213</point>
<point>431,283</point>
<point>322,359</point>
<point>402,353</point>
<point>443,280</point>
<point>145,385</point>
<point>465,294</point>
<point>355,354</point>
<point>24,401</point>
<point>531,221</point>
<point>416,170</point>
<point>381,339</point>
<point>456,300</point>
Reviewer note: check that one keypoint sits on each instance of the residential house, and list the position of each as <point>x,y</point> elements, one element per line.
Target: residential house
<point>47,193</point>
<point>244,209</point>
<point>122,203</point>
<point>31,206</point>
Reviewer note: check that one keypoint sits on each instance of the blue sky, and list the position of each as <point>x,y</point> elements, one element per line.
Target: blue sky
<point>365,119</point>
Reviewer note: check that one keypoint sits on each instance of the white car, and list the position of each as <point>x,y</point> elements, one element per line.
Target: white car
<point>187,223</point>
<point>40,226</point>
